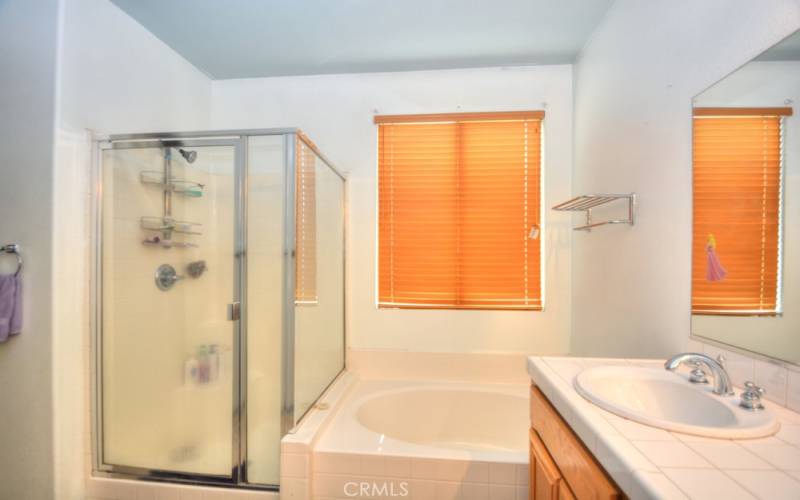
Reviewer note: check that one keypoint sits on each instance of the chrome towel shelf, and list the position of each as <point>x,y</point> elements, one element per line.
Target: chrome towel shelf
<point>13,248</point>
<point>586,203</point>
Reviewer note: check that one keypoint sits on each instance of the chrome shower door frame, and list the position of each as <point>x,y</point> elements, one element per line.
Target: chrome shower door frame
<point>239,380</point>
<point>239,140</point>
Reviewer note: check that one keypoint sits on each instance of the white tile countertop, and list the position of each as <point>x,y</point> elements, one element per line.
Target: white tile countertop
<point>651,463</point>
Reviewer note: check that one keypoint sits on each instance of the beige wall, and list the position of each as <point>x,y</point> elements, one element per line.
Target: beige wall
<point>29,37</point>
<point>634,82</point>
<point>337,112</point>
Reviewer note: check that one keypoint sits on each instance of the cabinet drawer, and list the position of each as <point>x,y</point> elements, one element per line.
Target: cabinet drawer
<point>585,477</point>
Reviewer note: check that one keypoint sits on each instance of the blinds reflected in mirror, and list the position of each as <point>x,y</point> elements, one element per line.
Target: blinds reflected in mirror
<point>737,177</point>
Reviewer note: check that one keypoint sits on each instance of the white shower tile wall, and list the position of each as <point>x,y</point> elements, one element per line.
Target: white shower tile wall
<point>346,475</point>
<point>781,380</point>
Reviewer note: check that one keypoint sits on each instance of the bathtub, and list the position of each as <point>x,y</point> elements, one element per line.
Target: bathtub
<point>425,439</point>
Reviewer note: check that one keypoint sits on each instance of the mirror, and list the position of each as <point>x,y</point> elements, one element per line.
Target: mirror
<point>746,207</point>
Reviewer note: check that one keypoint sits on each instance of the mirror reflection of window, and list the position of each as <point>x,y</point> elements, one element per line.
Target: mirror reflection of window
<point>737,187</point>
<point>746,207</point>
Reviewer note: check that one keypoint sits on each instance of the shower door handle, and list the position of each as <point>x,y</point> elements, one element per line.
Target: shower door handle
<point>234,311</point>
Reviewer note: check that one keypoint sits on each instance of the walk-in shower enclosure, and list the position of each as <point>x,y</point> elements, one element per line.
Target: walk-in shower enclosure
<point>218,299</point>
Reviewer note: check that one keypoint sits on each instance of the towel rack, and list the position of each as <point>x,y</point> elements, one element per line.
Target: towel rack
<point>13,248</point>
<point>587,202</point>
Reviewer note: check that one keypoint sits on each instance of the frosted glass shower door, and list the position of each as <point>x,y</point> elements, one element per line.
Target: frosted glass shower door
<point>319,284</point>
<point>167,346</point>
<point>266,187</point>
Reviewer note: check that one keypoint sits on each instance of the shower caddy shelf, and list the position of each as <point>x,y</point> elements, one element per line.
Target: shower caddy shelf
<point>170,224</point>
<point>167,225</point>
<point>169,244</point>
<point>585,203</point>
<point>178,186</point>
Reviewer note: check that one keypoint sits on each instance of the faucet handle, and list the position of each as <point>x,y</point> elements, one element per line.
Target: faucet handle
<point>697,375</point>
<point>722,360</point>
<point>751,397</point>
<point>752,388</point>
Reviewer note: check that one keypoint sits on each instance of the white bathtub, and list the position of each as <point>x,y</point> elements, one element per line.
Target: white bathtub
<point>432,419</point>
<point>426,436</point>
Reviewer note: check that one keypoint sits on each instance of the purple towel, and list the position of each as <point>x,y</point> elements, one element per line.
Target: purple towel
<point>10,305</point>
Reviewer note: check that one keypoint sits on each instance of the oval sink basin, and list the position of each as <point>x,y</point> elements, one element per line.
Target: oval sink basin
<point>664,399</point>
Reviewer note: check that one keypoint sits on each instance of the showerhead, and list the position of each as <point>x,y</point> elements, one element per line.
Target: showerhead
<point>190,156</point>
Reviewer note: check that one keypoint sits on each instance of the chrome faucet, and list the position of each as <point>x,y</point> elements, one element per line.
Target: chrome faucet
<point>751,397</point>
<point>722,381</point>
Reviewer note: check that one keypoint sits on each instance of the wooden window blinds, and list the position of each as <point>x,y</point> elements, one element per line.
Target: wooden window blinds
<point>306,225</point>
<point>459,211</point>
<point>737,169</point>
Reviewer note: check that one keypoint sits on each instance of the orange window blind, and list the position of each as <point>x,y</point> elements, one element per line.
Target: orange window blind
<point>306,225</point>
<point>737,209</point>
<point>458,198</point>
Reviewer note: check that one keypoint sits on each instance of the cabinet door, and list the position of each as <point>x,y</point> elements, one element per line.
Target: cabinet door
<point>545,477</point>
<point>586,478</point>
<point>564,493</point>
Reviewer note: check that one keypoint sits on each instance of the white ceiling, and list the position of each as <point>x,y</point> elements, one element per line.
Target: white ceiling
<point>257,38</point>
<point>787,50</point>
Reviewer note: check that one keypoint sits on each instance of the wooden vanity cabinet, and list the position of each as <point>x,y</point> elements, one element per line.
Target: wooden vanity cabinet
<point>561,468</point>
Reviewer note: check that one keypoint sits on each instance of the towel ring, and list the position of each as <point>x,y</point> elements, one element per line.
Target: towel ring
<point>13,248</point>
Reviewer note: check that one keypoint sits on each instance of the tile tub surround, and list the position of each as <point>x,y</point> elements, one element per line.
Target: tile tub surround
<point>339,475</point>
<point>297,446</point>
<point>348,455</point>
<point>651,463</point>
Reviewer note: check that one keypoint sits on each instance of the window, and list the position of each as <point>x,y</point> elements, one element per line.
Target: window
<point>459,211</point>
<point>737,178</point>
<point>306,226</point>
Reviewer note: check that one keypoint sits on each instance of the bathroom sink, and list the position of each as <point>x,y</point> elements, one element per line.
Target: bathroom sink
<point>664,399</point>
